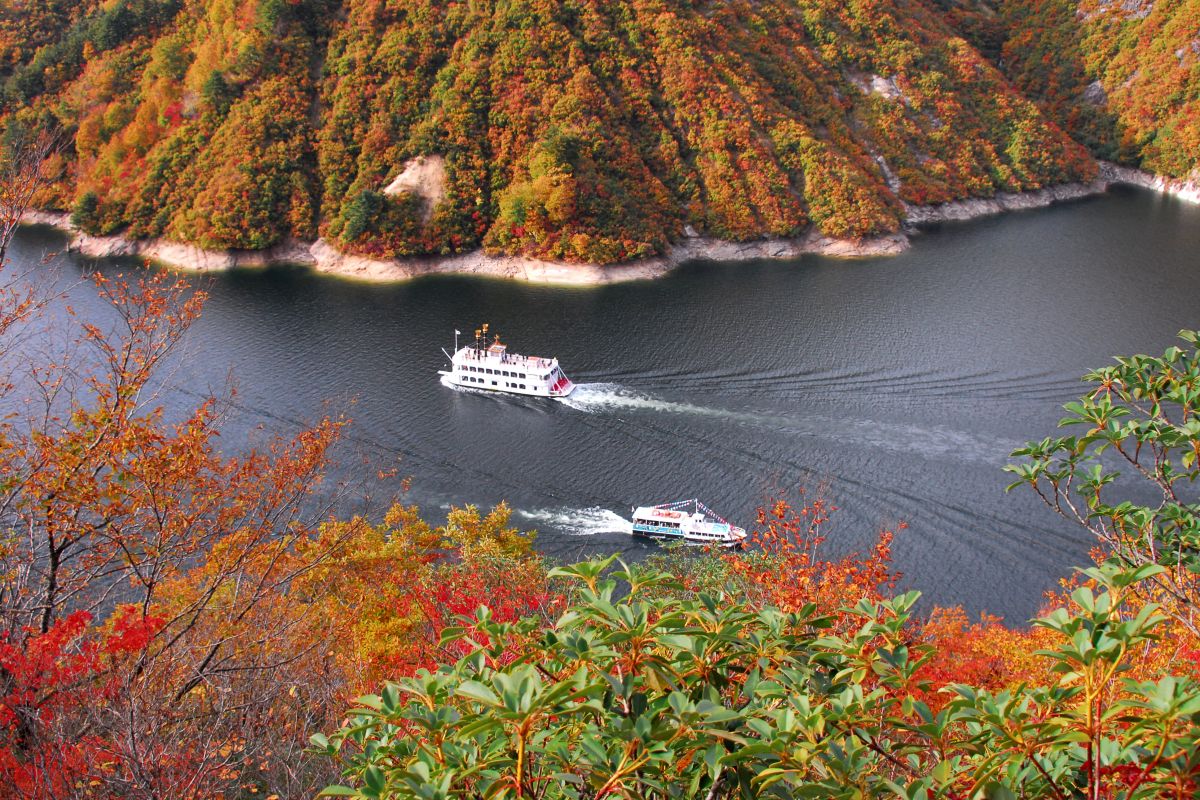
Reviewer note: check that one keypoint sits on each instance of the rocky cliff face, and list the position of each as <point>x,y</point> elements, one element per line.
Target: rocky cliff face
<point>565,130</point>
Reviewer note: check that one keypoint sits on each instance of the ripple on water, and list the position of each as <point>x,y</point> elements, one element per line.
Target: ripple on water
<point>899,384</point>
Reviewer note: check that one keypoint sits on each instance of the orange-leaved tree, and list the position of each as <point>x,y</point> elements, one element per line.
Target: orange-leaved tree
<point>402,582</point>
<point>788,569</point>
<point>145,608</point>
<point>150,637</point>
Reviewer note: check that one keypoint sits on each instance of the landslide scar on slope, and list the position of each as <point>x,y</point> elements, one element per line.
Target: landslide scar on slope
<point>424,176</point>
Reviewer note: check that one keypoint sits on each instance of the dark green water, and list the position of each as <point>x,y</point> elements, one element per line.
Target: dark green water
<point>897,385</point>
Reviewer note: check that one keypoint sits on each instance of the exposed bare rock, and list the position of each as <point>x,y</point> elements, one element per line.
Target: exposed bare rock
<point>55,219</point>
<point>324,257</point>
<point>893,181</point>
<point>329,259</point>
<point>1095,94</point>
<point>1004,201</point>
<point>1137,9</point>
<point>886,88</point>
<point>1188,190</point>
<point>424,176</point>
<point>718,250</point>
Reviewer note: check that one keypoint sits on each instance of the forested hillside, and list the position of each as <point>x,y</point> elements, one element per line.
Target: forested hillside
<point>1123,78</point>
<point>582,130</point>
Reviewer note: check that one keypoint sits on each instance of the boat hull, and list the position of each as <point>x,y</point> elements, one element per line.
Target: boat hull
<point>687,521</point>
<point>492,368</point>
<point>451,379</point>
<point>675,536</point>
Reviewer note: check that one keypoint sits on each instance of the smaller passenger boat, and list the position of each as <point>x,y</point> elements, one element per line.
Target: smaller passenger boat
<point>686,521</point>
<point>484,364</point>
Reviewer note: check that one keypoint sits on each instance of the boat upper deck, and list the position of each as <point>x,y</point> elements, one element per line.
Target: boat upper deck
<point>699,522</point>
<point>498,355</point>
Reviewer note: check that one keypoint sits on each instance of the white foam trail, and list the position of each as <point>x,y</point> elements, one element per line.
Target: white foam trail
<point>578,521</point>
<point>597,397</point>
<point>929,441</point>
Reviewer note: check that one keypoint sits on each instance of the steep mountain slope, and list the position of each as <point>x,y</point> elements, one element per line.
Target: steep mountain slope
<point>577,130</point>
<point>1121,77</point>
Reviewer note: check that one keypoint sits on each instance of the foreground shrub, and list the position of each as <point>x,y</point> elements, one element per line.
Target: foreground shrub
<point>654,696</point>
<point>1128,474</point>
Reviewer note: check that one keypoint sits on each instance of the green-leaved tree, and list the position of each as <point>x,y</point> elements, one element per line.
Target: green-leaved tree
<point>1128,475</point>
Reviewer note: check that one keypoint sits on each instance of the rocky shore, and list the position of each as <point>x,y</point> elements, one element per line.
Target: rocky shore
<point>324,257</point>
<point>1002,202</point>
<point>1188,190</point>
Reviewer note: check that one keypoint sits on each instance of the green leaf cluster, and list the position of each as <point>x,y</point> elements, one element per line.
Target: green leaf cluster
<point>1128,473</point>
<point>655,695</point>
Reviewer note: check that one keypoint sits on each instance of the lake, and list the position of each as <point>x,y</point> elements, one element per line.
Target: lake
<point>894,386</point>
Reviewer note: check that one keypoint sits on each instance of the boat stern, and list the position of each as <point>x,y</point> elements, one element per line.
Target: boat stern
<point>563,388</point>
<point>737,538</point>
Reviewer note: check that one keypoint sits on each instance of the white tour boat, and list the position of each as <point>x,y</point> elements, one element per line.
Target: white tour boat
<point>686,521</point>
<point>488,365</point>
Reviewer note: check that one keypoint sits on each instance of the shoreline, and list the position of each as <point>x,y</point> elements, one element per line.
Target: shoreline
<point>1001,203</point>
<point>321,256</point>
<point>1186,190</point>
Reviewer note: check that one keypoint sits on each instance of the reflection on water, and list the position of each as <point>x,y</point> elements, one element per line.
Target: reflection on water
<point>900,384</point>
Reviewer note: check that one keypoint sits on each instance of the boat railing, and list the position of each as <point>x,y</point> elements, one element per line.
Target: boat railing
<point>694,503</point>
<point>534,362</point>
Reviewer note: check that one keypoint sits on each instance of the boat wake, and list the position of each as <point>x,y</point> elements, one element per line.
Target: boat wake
<point>931,441</point>
<point>578,521</point>
<point>599,397</point>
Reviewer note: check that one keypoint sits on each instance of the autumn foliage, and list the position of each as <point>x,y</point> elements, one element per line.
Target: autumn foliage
<point>581,130</point>
<point>178,620</point>
<point>1121,78</point>
<point>174,619</point>
<point>788,568</point>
